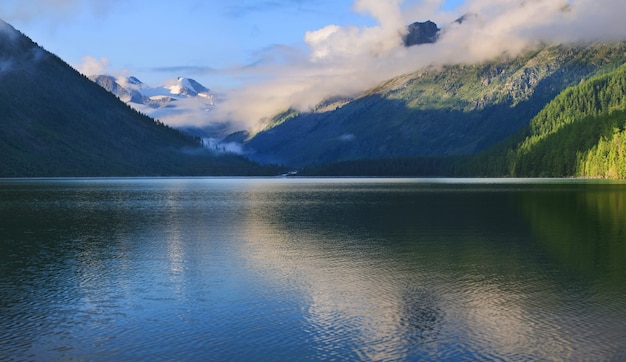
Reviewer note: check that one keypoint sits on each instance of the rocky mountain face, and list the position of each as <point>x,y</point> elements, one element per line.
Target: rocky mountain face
<point>421,33</point>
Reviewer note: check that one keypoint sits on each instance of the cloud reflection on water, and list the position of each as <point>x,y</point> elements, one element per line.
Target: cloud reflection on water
<point>312,269</point>
<point>401,274</point>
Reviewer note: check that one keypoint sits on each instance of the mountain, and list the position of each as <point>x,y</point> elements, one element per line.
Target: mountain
<point>421,33</point>
<point>111,84</point>
<point>55,122</point>
<point>131,89</point>
<point>189,87</point>
<point>435,112</point>
<point>428,32</point>
<point>581,132</point>
<point>183,103</point>
<point>180,102</point>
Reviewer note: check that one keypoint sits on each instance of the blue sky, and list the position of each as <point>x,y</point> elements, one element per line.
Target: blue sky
<point>156,40</point>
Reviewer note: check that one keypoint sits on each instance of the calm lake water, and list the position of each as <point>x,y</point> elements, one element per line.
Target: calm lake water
<point>312,269</point>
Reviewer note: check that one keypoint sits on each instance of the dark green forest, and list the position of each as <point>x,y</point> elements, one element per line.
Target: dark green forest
<point>577,134</point>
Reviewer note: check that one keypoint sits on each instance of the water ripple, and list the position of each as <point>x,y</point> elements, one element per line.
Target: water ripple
<point>309,270</point>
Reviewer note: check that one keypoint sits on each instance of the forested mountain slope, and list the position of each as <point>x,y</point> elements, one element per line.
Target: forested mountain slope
<point>580,133</point>
<point>446,111</point>
<point>56,122</point>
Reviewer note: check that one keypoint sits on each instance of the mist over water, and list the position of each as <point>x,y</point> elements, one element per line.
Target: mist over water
<point>277,269</point>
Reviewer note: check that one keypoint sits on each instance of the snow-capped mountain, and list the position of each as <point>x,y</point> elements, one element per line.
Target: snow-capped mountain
<point>125,93</point>
<point>181,103</point>
<point>188,87</point>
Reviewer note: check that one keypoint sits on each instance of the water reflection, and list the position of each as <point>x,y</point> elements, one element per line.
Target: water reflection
<point>583,228</point>
<point>465,256</point>
<point>312,269</point>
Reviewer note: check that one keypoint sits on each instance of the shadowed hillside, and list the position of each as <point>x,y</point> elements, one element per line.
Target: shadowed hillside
<point>581,132</point>
<point>438,112</point>
<point>56,122</point>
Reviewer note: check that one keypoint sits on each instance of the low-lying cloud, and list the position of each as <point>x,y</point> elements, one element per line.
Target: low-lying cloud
<point>346,60</point>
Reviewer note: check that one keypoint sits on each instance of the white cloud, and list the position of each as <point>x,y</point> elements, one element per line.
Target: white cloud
<point>386,12</point>
<point>348,59</point>
<point>345,60</point>
<point>335,43</point>
<point>92,66</point>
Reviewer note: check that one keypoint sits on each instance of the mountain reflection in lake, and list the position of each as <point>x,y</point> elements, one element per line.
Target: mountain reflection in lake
<point>319,269</point>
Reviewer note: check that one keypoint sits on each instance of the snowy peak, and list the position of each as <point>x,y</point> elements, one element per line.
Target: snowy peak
<point>188,87</point>
<point>111,84</point>
<point>131,89</point>
<point>180,102</point>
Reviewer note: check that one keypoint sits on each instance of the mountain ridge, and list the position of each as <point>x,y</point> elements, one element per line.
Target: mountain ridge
<point>579,133</point>
<point>502,117</point>
<point>444,111</point>
<point>56,122</point>
<point>182,103</point>
<point>132,90</point>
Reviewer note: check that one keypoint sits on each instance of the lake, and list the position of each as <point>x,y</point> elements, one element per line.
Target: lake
<point>245,269</point>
